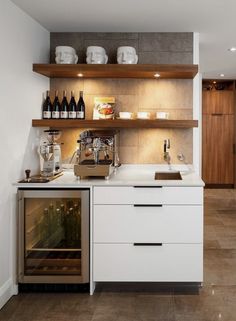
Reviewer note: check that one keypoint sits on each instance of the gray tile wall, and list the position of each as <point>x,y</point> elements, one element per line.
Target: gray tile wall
<point>154,47</point>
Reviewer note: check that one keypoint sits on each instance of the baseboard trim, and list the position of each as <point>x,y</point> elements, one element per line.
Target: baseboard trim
<point>219,186</point>
<point>7,290</point>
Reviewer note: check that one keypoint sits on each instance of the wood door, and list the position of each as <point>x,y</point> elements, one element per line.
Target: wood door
<point>218,157</point>
<point>218,102</point>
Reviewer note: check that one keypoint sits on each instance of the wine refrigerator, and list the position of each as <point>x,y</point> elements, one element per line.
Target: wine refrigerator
<point>53,236</point>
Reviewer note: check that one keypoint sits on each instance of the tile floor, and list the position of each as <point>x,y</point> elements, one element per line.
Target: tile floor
<point>215,301</point>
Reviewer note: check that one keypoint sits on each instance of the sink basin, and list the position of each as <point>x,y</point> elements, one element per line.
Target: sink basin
<point>168,176</point>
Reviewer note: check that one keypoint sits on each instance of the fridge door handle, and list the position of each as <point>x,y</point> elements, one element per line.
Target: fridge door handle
<point>148,205</point>
<point>147,244</point>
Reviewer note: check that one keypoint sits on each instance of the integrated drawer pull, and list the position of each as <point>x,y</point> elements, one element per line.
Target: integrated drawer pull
<point>217,114</point>
<point>148,205</point>
<point>147,244</point>
<point>152,186</point>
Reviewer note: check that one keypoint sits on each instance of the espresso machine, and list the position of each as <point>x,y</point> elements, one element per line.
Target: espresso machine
<point>50,153</point>
<point>97,153</point>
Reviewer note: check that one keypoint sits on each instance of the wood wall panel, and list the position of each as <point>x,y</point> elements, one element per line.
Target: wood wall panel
<point>221,102</point>
<point>218,157</point>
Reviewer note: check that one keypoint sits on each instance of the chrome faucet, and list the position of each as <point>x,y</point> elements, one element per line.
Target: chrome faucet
<point>166,155</point>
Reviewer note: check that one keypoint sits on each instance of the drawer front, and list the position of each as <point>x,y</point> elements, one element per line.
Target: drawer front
<point>166,263</point>
<point>130,224</point>
<point>148,195</point>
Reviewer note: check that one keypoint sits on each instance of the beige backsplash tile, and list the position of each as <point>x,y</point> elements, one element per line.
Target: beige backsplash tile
<point>104,87</point>
<point>128,155</point>
<point>144,146</point>
<point>129,138</point>
<point>127,103</point>
<point>67,84</point>
<point>69,139</point>
<point>151,142</point>
<point>136,145</point>
<point>168,94</point>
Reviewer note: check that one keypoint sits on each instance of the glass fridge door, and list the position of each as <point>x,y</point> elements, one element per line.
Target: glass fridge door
<point>56,232</point>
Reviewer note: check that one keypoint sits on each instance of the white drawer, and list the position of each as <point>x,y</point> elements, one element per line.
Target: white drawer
<point>166,263</point>
<point>148,195</point>
<point>130,224</point>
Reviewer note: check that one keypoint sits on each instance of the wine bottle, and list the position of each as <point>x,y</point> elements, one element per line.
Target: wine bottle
<point>46,228</point>
<point>56,107</point>
<point>47,107</point>
<point>81,107</point>
<point>64,107</point>
<point>72,107</point>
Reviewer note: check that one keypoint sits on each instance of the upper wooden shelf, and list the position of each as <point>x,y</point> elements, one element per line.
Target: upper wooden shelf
<point>115,123</point>
<point>116,71</point>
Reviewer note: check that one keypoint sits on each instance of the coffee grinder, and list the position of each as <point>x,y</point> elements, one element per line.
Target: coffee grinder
<point>50,152</point>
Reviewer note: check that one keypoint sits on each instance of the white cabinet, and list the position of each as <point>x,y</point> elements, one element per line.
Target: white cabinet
<point>148,195</point>
<point>148,234</point>
<point>165,263</point>
<point>165,224</point>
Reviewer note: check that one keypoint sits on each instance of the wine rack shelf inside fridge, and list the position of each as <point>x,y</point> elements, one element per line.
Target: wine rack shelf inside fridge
<point>54,236</point>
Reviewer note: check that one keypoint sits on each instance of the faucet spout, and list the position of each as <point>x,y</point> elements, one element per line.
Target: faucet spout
<point>166,155</point>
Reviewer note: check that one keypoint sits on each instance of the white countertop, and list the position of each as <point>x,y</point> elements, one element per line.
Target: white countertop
<point>126,175</point>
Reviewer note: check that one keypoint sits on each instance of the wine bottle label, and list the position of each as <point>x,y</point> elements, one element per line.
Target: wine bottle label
<point>47,114</point>
<point>64,114</point>
<point>55,114</point>
<point>80,114</point>
<point>72,114</point>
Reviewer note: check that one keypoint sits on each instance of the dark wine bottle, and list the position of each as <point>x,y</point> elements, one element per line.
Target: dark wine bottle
<point>72,107</point>
<point>64,107</point>
<point>81,107</point>
<point>56,107</point>
<point>47,107</point>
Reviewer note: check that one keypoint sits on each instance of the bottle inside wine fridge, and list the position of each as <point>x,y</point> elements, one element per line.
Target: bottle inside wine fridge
<point>72,107</point>
<point>64,107</point>
<point>47,107</point>
<point>54,236</point>
<point>56,107</point>
<point>81,107</point>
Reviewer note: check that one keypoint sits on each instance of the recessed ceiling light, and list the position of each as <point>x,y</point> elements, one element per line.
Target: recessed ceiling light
<point>80,75</point>
<point>157,75</point>
<point>222,75</point>
<point>214,82</point>
<point>233,49</point>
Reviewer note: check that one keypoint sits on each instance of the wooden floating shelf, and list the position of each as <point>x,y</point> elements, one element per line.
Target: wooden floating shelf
<point>116,71</point>
<point>115,123</point>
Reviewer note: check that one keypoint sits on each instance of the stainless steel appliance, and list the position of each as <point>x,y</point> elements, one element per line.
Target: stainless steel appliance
<point>50,151</point>
<point>97,154</point>
<point>53,236</point>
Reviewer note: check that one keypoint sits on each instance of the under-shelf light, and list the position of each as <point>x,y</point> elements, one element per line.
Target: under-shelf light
<point>157,75</point>
<point>80,75</point>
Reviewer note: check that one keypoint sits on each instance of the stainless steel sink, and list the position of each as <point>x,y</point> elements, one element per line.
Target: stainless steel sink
<point>168,176</point>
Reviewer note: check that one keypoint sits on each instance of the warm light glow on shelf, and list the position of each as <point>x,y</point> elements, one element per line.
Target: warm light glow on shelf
<point>157,75</point>
<point>80,75</point>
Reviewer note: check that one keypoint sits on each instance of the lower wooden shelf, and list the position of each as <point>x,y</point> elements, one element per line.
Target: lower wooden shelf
<point>115,123</point>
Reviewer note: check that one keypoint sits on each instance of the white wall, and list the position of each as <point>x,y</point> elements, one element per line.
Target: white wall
<point>197,109</point>
<point>23,41</point>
